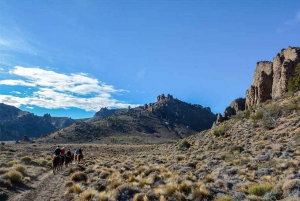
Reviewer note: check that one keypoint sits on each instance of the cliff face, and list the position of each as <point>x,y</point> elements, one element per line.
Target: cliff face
<point>270,81</point>
<point>271,78</point>
<point>284,64</point>
<point>261,88</point>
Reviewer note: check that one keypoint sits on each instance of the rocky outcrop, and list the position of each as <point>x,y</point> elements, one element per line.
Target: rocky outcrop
<point>261,88</point>
<point>271,78</point>
<point>284,64</point>
<point>232,109</point>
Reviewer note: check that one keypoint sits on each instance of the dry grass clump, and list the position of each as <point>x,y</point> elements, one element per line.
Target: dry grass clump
<point>88,195</point>
<point>223,198</point>
<point>259,189</point>
<point>200,192</point>
<point>14,176</point>
<point>69,184</point>
<point>26,159</point>
<point>75,188</point>
<point>11,163</point>
<point>79,177</point>
<point>20,168</point>
<point>3,170</point>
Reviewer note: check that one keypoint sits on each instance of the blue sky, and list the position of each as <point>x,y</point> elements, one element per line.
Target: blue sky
<point>70,58</point>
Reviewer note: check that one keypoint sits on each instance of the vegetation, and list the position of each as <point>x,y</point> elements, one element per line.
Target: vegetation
<point>294,82</point>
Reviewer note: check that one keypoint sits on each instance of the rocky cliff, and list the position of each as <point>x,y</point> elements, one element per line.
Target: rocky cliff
<point>271,78</point>
<point>270,81</point>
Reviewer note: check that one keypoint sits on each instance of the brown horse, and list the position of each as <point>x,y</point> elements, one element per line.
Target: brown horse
<point>55,164</point>
<point>78,158</point>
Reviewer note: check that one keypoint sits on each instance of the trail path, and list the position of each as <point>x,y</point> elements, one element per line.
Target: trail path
<point>47,187</point>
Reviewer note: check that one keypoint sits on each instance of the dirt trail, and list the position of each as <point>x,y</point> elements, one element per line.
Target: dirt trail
<point>47,187</point>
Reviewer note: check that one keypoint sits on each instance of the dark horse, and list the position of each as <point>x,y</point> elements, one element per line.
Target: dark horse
<point>62,160</point>
<point>55,163</point>
<point>68,160</point>
<point>78,157</point>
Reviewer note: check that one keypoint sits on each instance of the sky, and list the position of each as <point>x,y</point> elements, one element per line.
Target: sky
<point>71,58</point>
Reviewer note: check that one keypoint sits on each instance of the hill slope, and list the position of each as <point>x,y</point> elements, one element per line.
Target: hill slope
<point>165,120</point>
<point>15,123</point>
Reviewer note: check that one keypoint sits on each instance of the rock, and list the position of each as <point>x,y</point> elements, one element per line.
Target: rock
<point>237,196</point>
<point>232,109</point>
<point>284,64</point>
<point>261,88</point>
<point>263,157</point>
<point>262,172</point>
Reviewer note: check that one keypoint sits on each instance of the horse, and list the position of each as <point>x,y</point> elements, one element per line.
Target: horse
<point>62,161</point>
<point>55,164</point>
<point>68,160</point>
<point>79,157</point>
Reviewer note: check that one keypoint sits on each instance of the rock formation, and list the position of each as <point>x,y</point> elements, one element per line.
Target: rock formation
<point>284,64</point>
<point>235,106</point>
<point>261,88</point>
<point>271,78</point>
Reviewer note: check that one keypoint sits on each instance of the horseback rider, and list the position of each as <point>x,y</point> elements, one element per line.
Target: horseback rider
<point>57,151</point>
<point>63,151</point>
<point>69,154</point>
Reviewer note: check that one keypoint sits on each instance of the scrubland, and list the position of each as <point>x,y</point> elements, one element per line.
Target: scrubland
<point>253,156</point>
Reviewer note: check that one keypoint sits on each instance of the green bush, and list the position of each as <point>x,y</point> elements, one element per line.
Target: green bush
<point>294,82</point>
<point>259,189</point>
<point>220,130</point>
<point>257,116</point>
<point>184,144</point>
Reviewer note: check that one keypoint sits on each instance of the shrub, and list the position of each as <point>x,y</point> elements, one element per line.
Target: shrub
<point>184,144</point>
<point>223,198</point>
<point>76,188</point>
<point>257,116</point>
<point>259,189</point>
<point>20,168</point>
<point>220,130</point>
<point>79,177</point>
<point>294,82</point>
<point>10,163</point>
<point>14,176</point>
<point>26,159</point>
<point>87,195</point>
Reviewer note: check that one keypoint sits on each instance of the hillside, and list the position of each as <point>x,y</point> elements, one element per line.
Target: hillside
<point>165,120</point>
<point>15,123</point>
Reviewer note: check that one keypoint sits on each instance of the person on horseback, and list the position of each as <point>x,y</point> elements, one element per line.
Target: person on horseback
<point>69,154</point>
<point>57,151</point>
<point>63,151</point>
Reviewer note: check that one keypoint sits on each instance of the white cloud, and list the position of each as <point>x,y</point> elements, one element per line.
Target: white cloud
<point>54,90</point>
<point>289,23</point>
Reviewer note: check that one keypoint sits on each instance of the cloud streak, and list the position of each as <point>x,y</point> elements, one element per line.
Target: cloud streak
<point>54,90</point>
<point>289,23</point>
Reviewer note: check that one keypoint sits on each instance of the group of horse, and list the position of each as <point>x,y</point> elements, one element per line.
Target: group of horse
<point>59,161</point>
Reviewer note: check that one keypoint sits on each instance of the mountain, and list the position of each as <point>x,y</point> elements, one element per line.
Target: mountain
<point>166,119</point>
<point>15,123</point>
<point>270,81</point>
